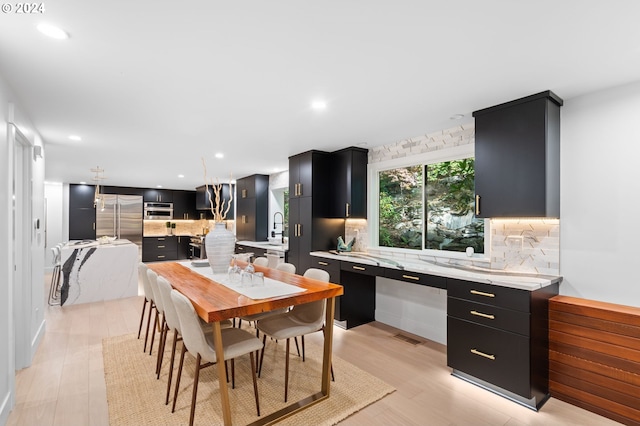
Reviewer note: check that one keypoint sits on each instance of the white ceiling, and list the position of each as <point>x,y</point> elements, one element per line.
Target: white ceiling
<point>154,86</point>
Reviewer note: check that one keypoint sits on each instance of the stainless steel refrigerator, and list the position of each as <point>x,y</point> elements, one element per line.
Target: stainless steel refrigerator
<point>120,216</point>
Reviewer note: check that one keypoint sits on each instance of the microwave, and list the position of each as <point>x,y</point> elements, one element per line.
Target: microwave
<point>158,211</point>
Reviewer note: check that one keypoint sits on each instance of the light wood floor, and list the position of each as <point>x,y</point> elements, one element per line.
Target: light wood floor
<point>65,384</point>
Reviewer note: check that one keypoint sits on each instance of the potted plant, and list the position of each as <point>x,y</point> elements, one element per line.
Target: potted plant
<point>168,225</point>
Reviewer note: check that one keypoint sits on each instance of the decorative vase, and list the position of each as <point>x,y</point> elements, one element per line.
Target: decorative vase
<point>220,245</point>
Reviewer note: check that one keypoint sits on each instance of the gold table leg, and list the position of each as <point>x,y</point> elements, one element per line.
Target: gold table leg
<point>222,377</point>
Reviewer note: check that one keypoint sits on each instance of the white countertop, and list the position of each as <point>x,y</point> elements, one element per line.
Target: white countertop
<point>74,244</point>
<point>264,245</point>
<point>528,282</point>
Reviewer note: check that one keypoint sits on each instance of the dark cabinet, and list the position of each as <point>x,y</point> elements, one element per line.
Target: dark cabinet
<point>158,195</point>
<point>350,170</point>
<point>82,214</point>
<point>121,190</point>
<point>183,247</point>
<point>159,248</point>
<point>517,158</point>
<point>184,205</point>
<point>499,335</point>
<point>311,227</point>
<point>358,303</point>
<point>333,268</point>
<point>252,203</point>
<point>204,206</point>
<point>417,278</point>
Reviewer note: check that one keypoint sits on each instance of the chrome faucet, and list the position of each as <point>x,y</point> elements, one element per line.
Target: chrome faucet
<point>281,223</point>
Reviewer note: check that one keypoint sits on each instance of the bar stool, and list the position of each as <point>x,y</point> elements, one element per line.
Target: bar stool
<point>54,288</point>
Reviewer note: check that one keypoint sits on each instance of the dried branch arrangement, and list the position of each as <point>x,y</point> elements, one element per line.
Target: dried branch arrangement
<point>221,207</point>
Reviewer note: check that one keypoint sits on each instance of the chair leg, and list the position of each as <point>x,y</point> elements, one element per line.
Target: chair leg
<point>196,377</point>
<point>295,339</point>
<point>161,344</point>
<point>144,307</point>
<point>302,338</point>
<point>156,325</point>
<point>173,357</point>
<point>175,394</point>
<point>146,335</point>
<point>286,374</point>
<point>264,339</point>
<point>233,373</point>
<point>255,382</point>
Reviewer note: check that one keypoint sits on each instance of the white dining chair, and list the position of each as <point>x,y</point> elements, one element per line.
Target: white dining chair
<point>158,323</point>
<point>142,277</point>
<point>300,320</point>
<point>235,343</point>
<point>286,267</point>
<point>54,289</point>
<point>261,261</point>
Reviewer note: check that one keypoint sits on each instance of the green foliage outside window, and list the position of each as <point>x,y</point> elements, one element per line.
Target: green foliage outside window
<point>447,196</point>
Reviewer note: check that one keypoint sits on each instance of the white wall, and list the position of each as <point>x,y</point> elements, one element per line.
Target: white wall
<point>53,192</point>
<point>31,310</point>
<point>600,185</point>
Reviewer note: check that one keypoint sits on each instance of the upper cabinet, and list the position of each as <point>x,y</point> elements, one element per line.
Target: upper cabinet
<point>82,213</point>
<point>350,167</point>
<point>517,158</point>
<point>158,195</point>
<point>252,194</point>
<point>184,205</point>
<point>301,174</point>
<point>202,200</point>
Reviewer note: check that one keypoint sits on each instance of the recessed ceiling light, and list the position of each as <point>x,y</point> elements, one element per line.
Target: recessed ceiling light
<point>158,186</point>
<point>181,176</point>
<point>52,31</point>
<point>219,155</point>
<point>75,138</point>
<point>456,117</point>
<point>318,105</point>
<point>83,182</point>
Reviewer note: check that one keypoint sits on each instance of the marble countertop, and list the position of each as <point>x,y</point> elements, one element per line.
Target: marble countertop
<point>522,281</point>
<point>74,244</point>
<point>264,245</point>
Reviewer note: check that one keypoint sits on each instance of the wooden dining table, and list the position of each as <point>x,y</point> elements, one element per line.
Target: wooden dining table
<point>215,302</point>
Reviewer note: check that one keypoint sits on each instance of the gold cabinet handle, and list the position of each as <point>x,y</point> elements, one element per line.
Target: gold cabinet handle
<point>300,190</point>
<point>94,226</point>
<point>480,314</point>
<point>299,230</point>
<point>161,246</point>
<point>411,277</point>
<point>160,239</point>
<point>323,263</point>
<point>481,293</point>
<point>359,268</point>
<point>477,205</point>
<point>161,256</point>
<point>346,209</point>
<point>482,354</point>
<point>244,193</point>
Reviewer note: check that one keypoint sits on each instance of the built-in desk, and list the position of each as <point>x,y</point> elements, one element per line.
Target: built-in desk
<point>93,272</point>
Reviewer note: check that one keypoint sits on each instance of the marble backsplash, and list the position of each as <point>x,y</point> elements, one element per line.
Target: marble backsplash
<point>183,227</point>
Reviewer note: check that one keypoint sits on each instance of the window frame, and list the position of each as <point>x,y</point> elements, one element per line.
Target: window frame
<point>422,159</point>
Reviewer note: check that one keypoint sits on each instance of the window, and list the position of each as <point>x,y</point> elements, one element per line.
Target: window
<point>443,192</point>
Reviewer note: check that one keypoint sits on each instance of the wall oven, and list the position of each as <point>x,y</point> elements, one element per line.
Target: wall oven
<point>197,247</point>
<point>158,211</point>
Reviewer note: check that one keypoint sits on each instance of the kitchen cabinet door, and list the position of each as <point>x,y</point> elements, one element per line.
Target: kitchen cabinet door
<point>300,233</point>
<point>158,195</point>
<point>203,205</point>
<point>246,224</point>
<point>252,203</point>
<point>350,198</point>
<point>82,223</point>
<point>517,158</point>
<point>301,174</point>
<point>184,205</point>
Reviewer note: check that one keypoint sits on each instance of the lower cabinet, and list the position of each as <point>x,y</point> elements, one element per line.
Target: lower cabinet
<point>498,337</point>
<point>333,268</point>
<point>184,249</point>
<point>159,248</point>
<point>358,303</point>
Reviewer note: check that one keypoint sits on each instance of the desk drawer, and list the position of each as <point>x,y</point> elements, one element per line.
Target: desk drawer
<point>505,297</point>
<point>331,266</point>
<point>498,357</point>
<point>417,278</point>
<point>360,268</point>
<point>491,316</point>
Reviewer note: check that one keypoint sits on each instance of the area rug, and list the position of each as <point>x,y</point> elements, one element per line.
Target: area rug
<point>136,397</point>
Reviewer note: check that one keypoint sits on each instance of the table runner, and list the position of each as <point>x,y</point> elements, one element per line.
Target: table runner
<point>271,288</point>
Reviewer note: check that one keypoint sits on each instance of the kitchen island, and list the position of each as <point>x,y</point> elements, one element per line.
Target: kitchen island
<point>93,272</point>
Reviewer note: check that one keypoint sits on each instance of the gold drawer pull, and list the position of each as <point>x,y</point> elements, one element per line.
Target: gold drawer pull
<point>323,263</point>
<point>161,257</point>
<point>480,314</point>
<point>480,293</point>
<point>160,246</point>
<point>411,277</point>
<point>482,354</point>
<point>359,268</point>
<point>160,239</point>
<point>477,205</point>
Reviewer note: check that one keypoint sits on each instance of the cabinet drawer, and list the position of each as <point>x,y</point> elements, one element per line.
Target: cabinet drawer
<point>498,357</point>
<point>160,243</point>
<point>417,278</point>
<point>489,315</point>
<point>505,297</point>
<point>362,269</point>
<point>331,266</point>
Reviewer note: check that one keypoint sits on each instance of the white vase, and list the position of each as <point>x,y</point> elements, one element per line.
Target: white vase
<point>220,245</point>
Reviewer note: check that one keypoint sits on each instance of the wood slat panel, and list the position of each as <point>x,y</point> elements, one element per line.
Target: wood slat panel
<point>621,377</point>
<point>596,324</point>
<point>594,345</point>
<point>594,309</point>
<point>594,356</point>
<point>597,335</point>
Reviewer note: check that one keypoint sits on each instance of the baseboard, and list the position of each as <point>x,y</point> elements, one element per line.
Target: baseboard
<point>35,342</point>
<point>420,329</point>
